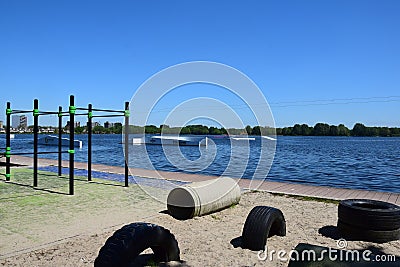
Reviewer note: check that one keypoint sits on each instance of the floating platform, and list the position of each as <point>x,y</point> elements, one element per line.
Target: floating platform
<point>171,140</point>
<point>243,138</point>
<point>52,140</point>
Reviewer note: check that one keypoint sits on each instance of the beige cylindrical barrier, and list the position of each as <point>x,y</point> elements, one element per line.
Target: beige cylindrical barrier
<point>200,198</point>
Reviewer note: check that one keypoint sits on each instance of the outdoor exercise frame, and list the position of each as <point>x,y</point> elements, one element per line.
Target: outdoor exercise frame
<point>71,151</point>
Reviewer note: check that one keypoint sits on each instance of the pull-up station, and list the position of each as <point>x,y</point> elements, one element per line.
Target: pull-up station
<point>71,151</point>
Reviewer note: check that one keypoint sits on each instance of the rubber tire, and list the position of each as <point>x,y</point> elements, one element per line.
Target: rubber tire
<point>261,223</point>
<point>355,233</point>
<point>369,214</point>
<point>127,243</point>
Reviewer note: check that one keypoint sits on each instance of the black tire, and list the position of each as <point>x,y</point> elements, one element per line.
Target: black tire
<point>128,242</point>
<point>261,223</point>
<point>355,233</point>
<point>369,214</point>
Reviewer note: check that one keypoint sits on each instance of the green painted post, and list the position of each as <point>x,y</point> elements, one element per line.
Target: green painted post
<point>59,141</point>
<point>8,141</point>
<point>126,143</point>
<point>71,143</point>
<point>35,141</point>
<point>89,126</point>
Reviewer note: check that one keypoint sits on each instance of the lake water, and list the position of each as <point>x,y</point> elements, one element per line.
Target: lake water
<point>345,162</point>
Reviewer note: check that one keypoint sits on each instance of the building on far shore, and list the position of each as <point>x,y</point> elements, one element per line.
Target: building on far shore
<point>76,124</point>
<point>108,124</point>
<point>15,121</point>
<point>23,122</point>
<point>1,125</point>
<point>19,122</point>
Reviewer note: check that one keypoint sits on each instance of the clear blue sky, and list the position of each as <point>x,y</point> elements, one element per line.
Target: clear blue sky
<point>295,51</point>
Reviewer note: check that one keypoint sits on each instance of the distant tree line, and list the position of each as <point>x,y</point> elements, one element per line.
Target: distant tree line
<point>319,129</point>
<point>323,129</point>
<point>98,129</point>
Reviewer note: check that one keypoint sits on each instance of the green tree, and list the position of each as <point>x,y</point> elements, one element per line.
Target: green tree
<point>268,130</point>
<point>98,129</point>
<point>343,130</point>
<point>287,131</point>
<point>384,131</point>
<point>306,130</point>
<point>79,130</point>
<point>198,129</point>
<point>372,131</point>
<point>321,129</point>
<point>151,129</point>
<point>333,130</point>
<point>359,129</point>
<point>117,129</point>
<point>223,131</point>
<point>185,130</point>
<point>248,129</point>
<point>256,130</point>
<point>297,130</point>
<point>214,131</point>
<point>395,131</point>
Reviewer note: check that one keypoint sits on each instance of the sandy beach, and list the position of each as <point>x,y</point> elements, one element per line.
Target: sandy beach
<point>203,241</point>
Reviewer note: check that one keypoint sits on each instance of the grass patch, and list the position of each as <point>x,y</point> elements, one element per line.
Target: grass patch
<point>233,206</point>
<point>317,199</point>
<point>307,198</point>
<point>31,211</point>
<point>216,217</point>
<point>152,262</point>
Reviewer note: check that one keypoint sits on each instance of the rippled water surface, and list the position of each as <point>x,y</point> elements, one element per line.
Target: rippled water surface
<point>348,162</point>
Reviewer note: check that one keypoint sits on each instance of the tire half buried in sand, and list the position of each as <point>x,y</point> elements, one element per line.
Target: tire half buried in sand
<point>201,198</point>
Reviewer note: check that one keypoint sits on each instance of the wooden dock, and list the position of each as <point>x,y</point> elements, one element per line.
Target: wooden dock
<point>268,186</point>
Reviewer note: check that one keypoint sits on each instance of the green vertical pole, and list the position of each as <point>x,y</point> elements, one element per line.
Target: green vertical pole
<point>71,143</point>
<point>126,142</point>
<point>89,127</point>
<point>59,140</point>
<point>8,141</point>
<point>35,141</point>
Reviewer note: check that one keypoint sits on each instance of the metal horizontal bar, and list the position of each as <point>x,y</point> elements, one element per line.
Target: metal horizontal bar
<point>48,113</point>
<point>108,110</point>
<point>16,111</point>
<point>107,116</point>
<point>51,152</point>
<point>43,152</point>
<point>82,109</point>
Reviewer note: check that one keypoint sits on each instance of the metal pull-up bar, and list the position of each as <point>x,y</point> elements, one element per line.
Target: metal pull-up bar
<point>72,113</point>
<point>35,153</point>
<point>124,113</point>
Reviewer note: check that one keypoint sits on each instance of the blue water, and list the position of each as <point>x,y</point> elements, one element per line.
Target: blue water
<point>371,163</point>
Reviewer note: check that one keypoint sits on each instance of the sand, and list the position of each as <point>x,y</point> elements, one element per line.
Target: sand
<point>203,241</point>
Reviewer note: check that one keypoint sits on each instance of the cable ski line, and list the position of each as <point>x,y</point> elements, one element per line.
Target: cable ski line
<point>300,103</point>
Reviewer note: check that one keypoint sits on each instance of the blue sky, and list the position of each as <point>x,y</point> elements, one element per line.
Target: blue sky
<point>297,52</point>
